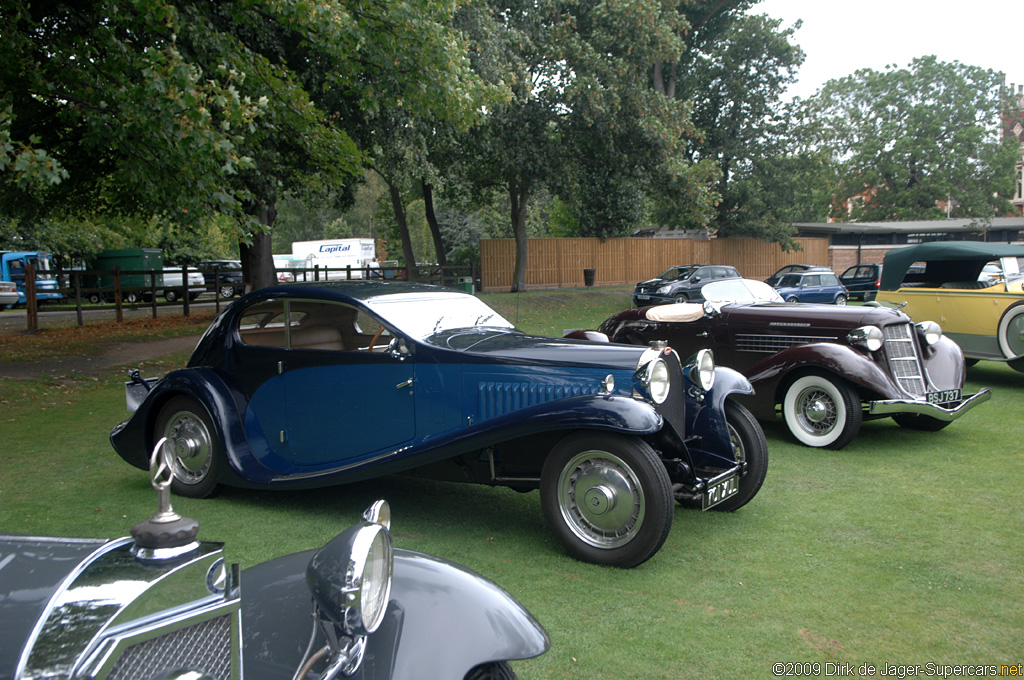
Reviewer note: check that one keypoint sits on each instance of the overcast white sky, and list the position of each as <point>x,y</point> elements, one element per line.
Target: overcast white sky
<point>840,37</point>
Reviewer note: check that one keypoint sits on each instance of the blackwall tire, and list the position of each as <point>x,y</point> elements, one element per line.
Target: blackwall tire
<point>823,412</point>
<point>170,295</point>
<point>192,451</point>
<point>841,300</point>
<point>227,292</point>
<point>496,670</point>
<point>750,446</point>
<point>607,498</point>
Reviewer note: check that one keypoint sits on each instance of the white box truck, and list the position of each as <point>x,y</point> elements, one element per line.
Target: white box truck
<point>336,255</point>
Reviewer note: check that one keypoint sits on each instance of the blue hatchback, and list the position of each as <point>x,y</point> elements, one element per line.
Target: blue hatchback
<point>812,286</point>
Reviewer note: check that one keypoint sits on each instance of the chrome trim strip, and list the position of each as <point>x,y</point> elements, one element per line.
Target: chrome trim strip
<point>894,406</point>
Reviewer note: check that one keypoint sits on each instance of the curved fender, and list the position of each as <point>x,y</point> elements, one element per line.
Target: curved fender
<point>767,375</point>
<point>440,614</point>
<point>134,439</point>
<point>944,365</point>
<point>706,418</point>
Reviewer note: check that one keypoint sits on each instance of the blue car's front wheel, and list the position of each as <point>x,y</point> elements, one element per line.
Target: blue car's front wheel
<point>607,497</point>
<point>191,450</point>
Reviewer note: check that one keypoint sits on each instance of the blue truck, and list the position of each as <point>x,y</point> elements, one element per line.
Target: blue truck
<point>12,268</point>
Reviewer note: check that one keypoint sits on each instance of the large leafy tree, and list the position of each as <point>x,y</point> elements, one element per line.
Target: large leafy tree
<point>915,142</point>
<point>194,109</point>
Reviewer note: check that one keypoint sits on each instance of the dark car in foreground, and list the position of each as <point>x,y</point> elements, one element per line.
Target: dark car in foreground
<point>680,284</point>
<point>862,280</point>
<point>828,368</point>
<point>812,286</point>
<point>163,604</point>
<point>315,384</point>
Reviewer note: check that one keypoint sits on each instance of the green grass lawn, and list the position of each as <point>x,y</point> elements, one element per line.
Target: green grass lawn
<point>903,548</point>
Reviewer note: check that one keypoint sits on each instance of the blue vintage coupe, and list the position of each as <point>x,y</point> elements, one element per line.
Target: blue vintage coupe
<point>330,383</point>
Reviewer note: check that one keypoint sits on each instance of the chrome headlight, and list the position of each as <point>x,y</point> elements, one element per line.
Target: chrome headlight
<point>868,337</point>
<point>665,289</point>
<point>703,371</point>
<point>350,577</point>
<point>930,331</point>
<point>656,380</point>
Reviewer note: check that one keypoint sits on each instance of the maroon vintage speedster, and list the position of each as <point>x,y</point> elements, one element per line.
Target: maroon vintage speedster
<point>826,368</point>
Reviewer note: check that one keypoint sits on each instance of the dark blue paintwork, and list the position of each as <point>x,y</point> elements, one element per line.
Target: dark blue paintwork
<point>344,418</point>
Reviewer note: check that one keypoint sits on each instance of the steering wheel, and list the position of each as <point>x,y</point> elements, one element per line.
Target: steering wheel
<point>375,337</point>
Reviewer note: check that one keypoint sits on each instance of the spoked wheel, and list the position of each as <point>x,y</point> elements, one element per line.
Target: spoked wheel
<point>191,450</point>
<point>607,497</point>
<point>227,292</point>
<point>750,446</point>
<point>841,300</point>
<point>822,411</point>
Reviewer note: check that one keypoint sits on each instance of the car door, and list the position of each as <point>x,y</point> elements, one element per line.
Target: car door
<point>810,289</point>
<point>336,400</point>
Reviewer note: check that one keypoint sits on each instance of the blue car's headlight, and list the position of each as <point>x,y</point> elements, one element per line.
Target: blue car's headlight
<point>703,370</point>
<point>652,372</point>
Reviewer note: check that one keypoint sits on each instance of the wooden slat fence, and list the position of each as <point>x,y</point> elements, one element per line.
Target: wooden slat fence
<point>559,262</point>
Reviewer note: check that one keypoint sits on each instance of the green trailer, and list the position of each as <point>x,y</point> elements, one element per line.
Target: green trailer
<point>141,274</point>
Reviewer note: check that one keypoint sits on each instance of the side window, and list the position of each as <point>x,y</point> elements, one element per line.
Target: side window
<point>312,325</point>
<point>812,280</point>
<point>829,280</point>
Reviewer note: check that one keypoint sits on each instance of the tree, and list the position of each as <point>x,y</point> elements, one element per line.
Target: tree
<point>195,109</point>
<point>915,143</point>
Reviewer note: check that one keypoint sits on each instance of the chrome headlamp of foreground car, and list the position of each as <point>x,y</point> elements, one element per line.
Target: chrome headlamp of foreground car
<point>867,337</point>
<point>930,332</point>
<point>703,371</point>
<point>652,372</point>
<point>350,579</point>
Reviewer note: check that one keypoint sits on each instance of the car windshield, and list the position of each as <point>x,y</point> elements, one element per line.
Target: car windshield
<point>677,273</point>
<point>740,290</point>
<point>423,315</point>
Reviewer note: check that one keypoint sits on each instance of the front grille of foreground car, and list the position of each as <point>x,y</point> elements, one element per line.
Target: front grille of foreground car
<point>205,646</point>
<point>901,351</point>
<point>498,398</point>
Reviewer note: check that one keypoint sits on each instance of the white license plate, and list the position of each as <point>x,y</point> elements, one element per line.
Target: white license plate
<point>643,297</point>
<point>943,396</point>
<point>720,490</point>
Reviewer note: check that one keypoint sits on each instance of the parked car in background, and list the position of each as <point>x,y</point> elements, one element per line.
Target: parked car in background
<point>8,294</point>
<point>812,286</point>
<point>173,286</point>
<point>223,276</point>
<point>680,284</point>
<point>946,281</point>
<point>314,384</point>
<point>794,269</point>
<point>862,281</point>
<point>828,368</point>
<point>164,604</point>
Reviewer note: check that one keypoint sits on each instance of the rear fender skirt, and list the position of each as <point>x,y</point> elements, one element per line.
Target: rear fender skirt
<point>706,418</point>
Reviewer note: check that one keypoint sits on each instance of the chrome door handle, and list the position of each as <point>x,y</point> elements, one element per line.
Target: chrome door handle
<point>407,383</point>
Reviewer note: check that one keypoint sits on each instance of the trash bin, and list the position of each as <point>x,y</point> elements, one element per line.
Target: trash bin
<point>588,277</point>
<point>466,284</point>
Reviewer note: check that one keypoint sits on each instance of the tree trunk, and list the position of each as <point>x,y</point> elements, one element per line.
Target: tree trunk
<point>435,229</point>
<point>519,196</point>
<point>403,231</point>
<point>257,258</point>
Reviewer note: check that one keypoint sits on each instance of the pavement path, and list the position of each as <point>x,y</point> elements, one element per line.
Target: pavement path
<point>116,356</point>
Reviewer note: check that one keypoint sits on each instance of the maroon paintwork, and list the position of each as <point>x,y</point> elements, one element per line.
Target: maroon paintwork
<point>774,343</point>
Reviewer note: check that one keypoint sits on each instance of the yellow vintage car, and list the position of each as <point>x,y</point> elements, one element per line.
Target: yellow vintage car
<point>974,291</point>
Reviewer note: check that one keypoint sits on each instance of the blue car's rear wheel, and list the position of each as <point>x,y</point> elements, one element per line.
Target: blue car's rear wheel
<point>607,498</point>
<point>192,449</point>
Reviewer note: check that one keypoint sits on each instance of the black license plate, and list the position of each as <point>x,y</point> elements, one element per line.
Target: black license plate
<point>944,396</point>
<point>720,489</point>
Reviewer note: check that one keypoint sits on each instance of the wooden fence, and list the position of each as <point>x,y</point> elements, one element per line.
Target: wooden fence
<point>559,262</point>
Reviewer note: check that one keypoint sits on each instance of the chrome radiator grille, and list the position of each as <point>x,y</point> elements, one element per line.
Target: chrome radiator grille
<point>205,646</point>
<point>770,344</point>
<point>499,398</point>
<point>901,351</point>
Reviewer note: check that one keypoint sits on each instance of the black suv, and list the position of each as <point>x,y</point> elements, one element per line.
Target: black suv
<point>681,284</point>
<point>862,280</point>
<point>223,276</point>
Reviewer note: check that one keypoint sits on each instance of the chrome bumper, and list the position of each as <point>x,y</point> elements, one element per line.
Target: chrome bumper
<point>892,406</point>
